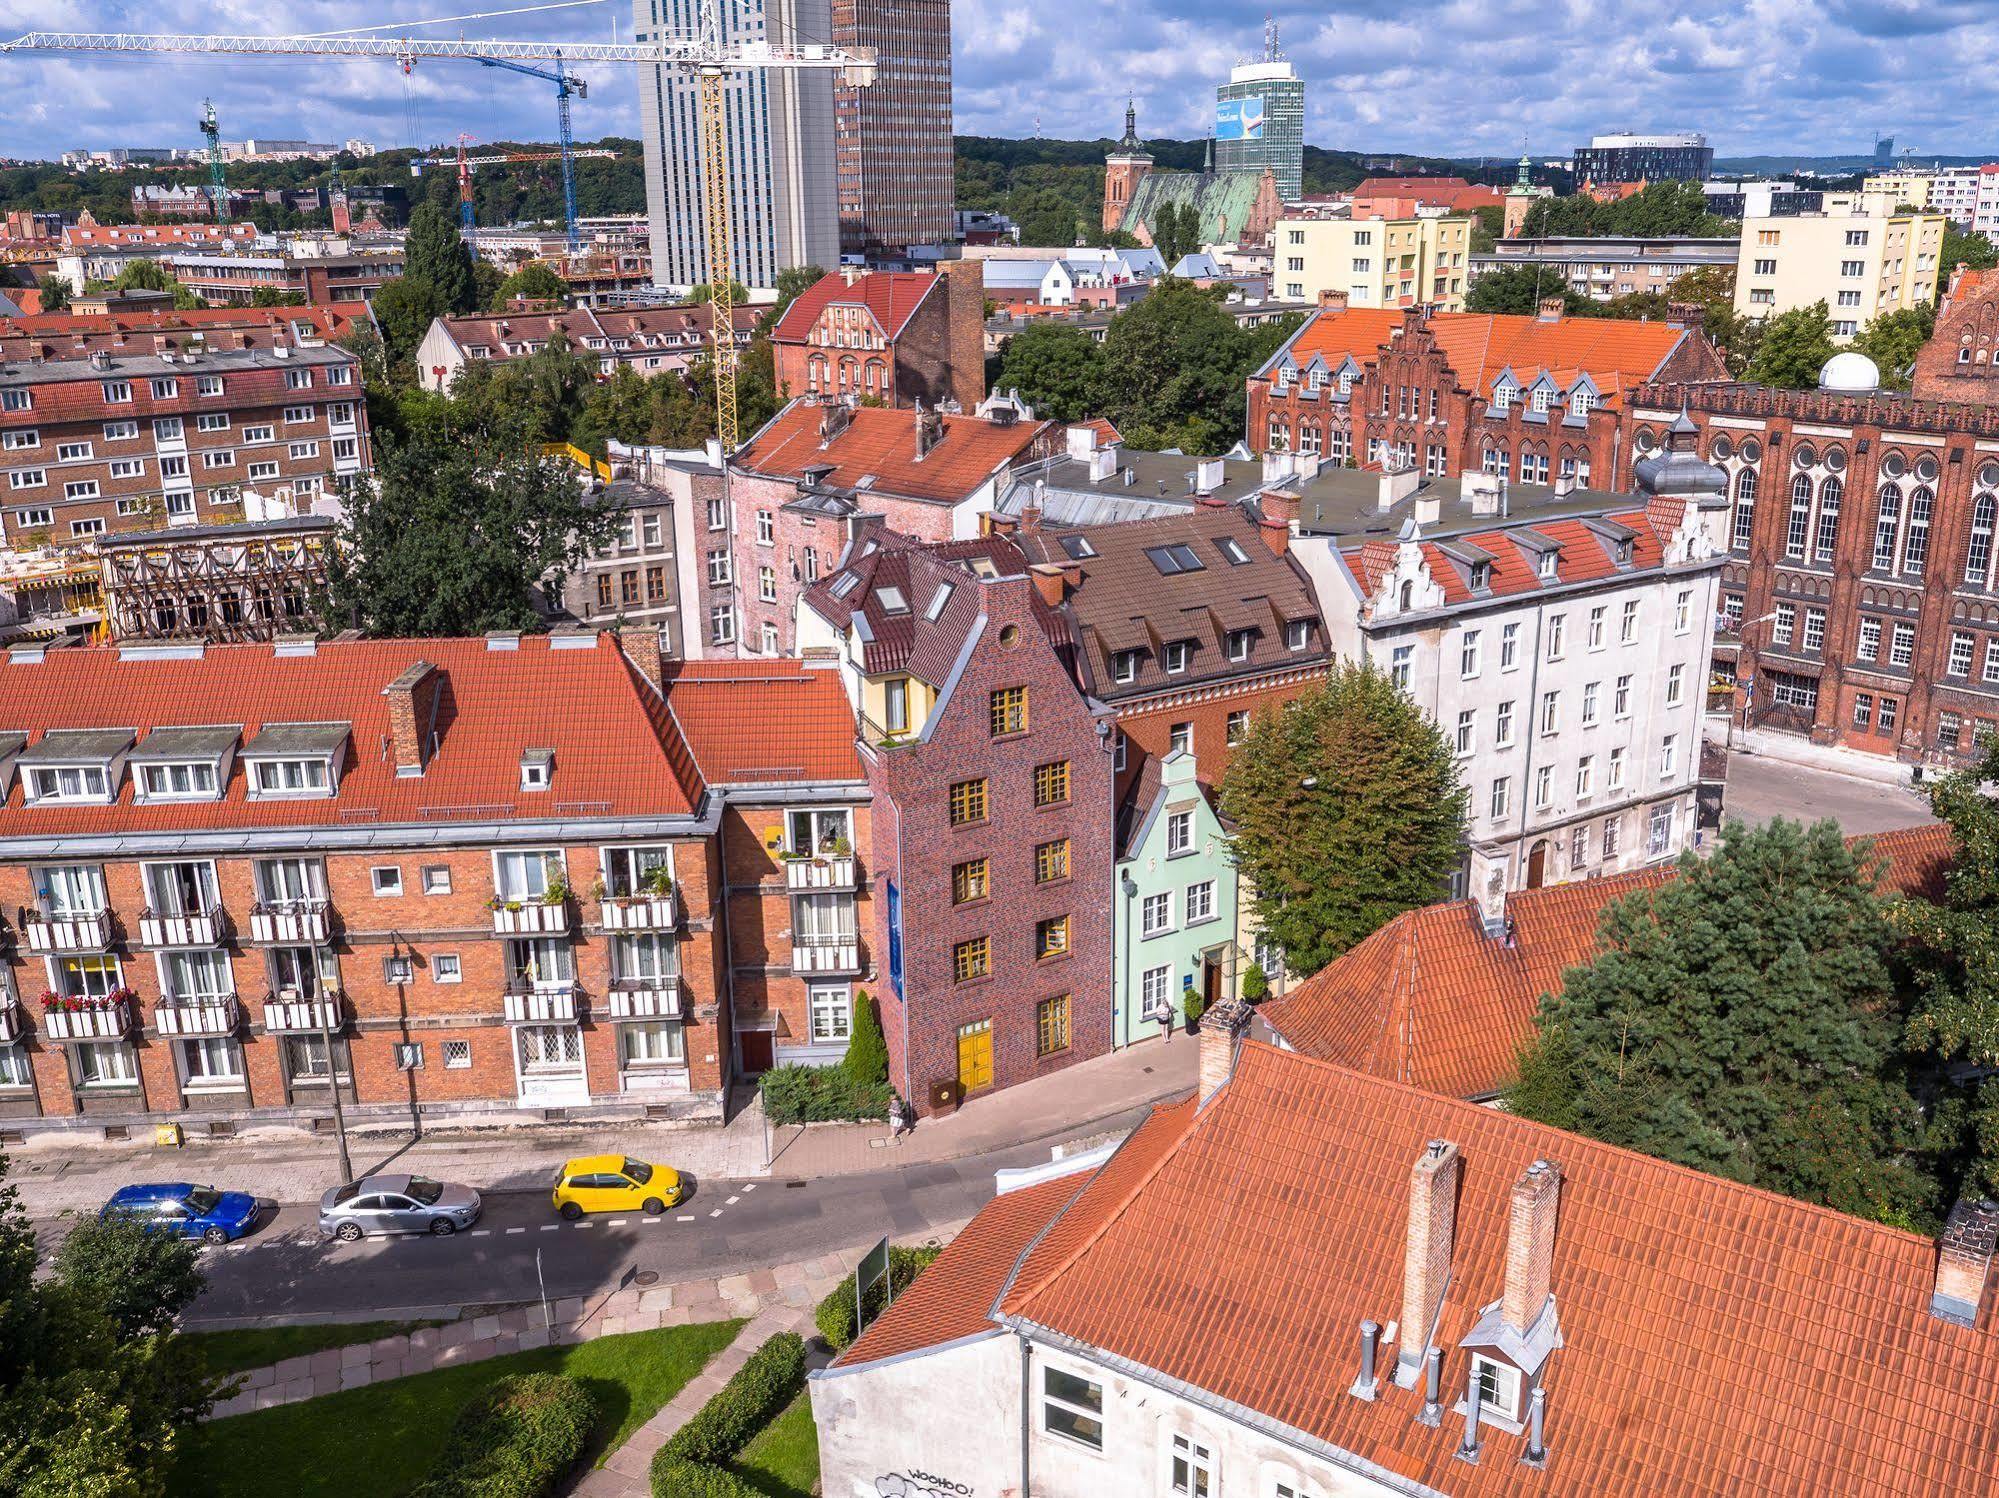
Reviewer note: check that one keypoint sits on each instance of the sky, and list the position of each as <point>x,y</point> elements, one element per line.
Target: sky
<point>1441,77</point>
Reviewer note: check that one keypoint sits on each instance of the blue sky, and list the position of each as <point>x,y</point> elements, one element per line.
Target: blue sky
<point>1463,77</point>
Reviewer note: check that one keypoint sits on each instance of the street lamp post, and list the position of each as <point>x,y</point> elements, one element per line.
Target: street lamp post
<point>1741,633</point>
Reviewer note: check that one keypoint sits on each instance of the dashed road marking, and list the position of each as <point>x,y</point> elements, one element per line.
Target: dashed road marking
<point>732,1201</point>
<point>615,1222</point>
<point>716,1213</point>
<point>685,1217</point>
<point>658,1219</point>
<point>516,1230</point>
<point>547,1227</point>
<point>583,1224</point>
<point>481,1233</point>
<point>750,1186</point>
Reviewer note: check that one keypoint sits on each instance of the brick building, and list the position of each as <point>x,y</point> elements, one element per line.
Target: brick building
<point>650,340</point>
<point>110,441</point>
<point>992,821</point>
<point>1960,362</point>
<point>797,485</point>
<point>1534,398</point>
<point>57,335</point>
<point>462,876</point>
<point>900,337</point>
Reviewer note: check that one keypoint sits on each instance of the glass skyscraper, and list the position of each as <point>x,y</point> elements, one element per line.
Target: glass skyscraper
<point>1260,119</point>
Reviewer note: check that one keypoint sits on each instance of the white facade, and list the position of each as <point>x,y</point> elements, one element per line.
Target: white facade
<point>1969,197</point>
<point>1859,257</point>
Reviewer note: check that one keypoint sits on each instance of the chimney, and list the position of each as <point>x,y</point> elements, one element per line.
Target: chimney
<point>413,715</point>
<point>1964,1261</point>
<point>1429,510</point>
<point>1279,518</point>
<point>1551,309</point>
<point>640,644</point>
<point>1530,1245</point>
<point>1209,475</point>
<point>1689,315</point>
<point>929,429</point>
<point>1103,462</point>
<point>1426,1261</point>
<point>1565,483</point>
<point>1221,1037</point>
<point>1081,441</point>
<point>1480,491</point>
<point>1332,301</point>
<point>1048,582</point>
<point>1392,488</point>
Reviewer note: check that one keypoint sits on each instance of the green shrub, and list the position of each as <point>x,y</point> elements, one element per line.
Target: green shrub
<point>516,1440</point>
<point>835,1316</point>
<point>673,1478</point>
<point>1255,987</point>
<point>820,1094</point>
<point>866,1063</point>
<point>762,1387</point>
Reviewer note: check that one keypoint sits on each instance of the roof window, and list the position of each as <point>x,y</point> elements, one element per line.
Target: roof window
<point>1229,547</point>
<point>939,600</point>
<point>1175,559</point>
<point>891,600</point>
<point>1078,548</point>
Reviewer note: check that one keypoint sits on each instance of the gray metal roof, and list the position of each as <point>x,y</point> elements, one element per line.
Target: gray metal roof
<point>209,361</point>
<point>69,745</point>
<point>12,744</point>
<point>246,530</point>
<point>207,742</point>
<point>1346,503</point>
<point>298,738</point>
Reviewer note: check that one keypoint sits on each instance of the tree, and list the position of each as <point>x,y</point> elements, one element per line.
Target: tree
<point>141,1279</point>
<point>270,296</point>
<point>1962,247</point>
<point>1893,339</point>
<point>866,1061</point>
<point>151,275</point>
<point>1793,348</point>
<point>1173,368</point>
<point>55,292</point>
<point>705,292</point>
<point>453,533</point>
<point>538,399</point>
<point>436,257</point>
<point>790,284</point>
<point>533,282</point>
<point>1348,811</point>
<point>404,310</point>
<point>1176,231</point>
<point>1520,289</point>
<point>1488,226</point>
<point>1739,1019</point>
<point>1054,367</point>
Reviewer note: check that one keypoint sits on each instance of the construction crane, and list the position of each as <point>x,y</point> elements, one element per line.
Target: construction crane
<point>218,189</point>
<point>712,59</point>
<point>466,165</point>
<point>565,85</point>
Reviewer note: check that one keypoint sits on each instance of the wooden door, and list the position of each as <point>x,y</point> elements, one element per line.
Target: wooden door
<point>757,1048</point>
<point>975,1056</point>
<point>1537,865</point>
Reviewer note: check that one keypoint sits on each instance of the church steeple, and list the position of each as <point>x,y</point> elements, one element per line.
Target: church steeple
<point>1131,145</point>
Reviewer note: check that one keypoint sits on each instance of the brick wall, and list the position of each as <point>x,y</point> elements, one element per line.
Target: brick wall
<point>1147,725</point>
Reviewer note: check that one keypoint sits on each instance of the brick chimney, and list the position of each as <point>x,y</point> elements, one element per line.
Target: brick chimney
<point>413,715</point>
<point>640,644</point>
<point>929,429</point>
<point>1964,1261</point>
<point>1551,309</point>
<point>1426,1259</point>
<point>1050,580</point>
<point>1332,301</point>
<point>1221,1038</point>
<point>1280,513</point>
<point>1530,1244</point>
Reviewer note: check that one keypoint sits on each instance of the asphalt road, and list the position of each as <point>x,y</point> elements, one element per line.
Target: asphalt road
<point>521,1249</point>
<point>1761,789</point>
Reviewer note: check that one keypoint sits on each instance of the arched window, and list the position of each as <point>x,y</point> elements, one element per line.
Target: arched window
<point>1830,492</point>
<point>1745,508</point>
<point>1800,528</point>
<point>1308,437</point>
<point>1280,435</point>
<point>1887,523</point>
<point>1978,558</point>
<point>1408,595</point>
<point>1916,545</point>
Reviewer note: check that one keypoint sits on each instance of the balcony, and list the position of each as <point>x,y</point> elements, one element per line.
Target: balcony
<point>640,912</point>
<point>531,918</point>
<point>825,954</point>
<point>200,929</point>
<point>541,1004</point>
<point>10,1012</point>
<point>87,1016</point>
<point>644,998</point>
<point>187,1018</point>
<point>49,935</point>
<point>290,1012</point>
<point>300,923</point>
<point>828,873</point>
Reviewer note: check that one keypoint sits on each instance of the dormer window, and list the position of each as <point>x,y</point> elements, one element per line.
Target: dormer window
<point>78,765</point>
<point>1623,552</point>
<point>1297,634</point>
<point>1124,666</point>
<point>1499,1388</point>
<point>291,777</point>
<point>1178,654</point>
<point>1239,644</point>
<point>68,783</point>
<point>1346,382</point>
<point>537,769</point>
<point>295,759</point>
<point>1502,397</point>
<point>1581,402</point>
<point>177,781</point>
<point>1481,577</point>
<point>183,764</point>
<point>1541,398</point>
<point>1549,562</point>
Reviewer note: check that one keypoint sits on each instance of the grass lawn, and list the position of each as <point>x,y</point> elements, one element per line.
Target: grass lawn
<point>782,1459</point>
<point>260,1346</point>
<point>380,1440</point>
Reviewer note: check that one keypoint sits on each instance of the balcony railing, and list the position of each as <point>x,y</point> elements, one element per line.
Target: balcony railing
<point>47,935</point>
<point>824,953</point>
<point>299,923</point>
<point>640,912</point>
<point>546,1004</point>
<point>830,872</point>
<point>290,1012</point>
<point>531,918</point>
<point>200,929</point>
<point>85,1018</point>
<point>197,1017</point>
<point>644,998</point>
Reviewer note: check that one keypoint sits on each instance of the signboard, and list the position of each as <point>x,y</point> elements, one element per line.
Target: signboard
<point>1239,119</point>
<point>873,1268</point>
<point>894,937</point>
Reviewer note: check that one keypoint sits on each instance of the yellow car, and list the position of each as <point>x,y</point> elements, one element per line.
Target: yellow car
<point>613,1183</point>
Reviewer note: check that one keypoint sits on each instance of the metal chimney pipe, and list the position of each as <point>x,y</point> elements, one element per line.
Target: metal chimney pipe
<point>1432,1412</point>
<point>1537,1414</point>
<point>1468,1447</point>
<point>1367,1386</point>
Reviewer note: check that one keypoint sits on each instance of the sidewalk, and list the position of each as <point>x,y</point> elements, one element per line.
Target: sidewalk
<point>1794,749</point>
<point>57,1174</point>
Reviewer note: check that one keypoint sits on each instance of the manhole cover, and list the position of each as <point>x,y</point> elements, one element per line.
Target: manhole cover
<point>646,1277</point>
<point>1148,1071</point>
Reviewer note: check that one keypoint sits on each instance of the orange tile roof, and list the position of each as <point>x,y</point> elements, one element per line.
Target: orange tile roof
<point>1585,556</point>
<point>891,296</point>
<point>1429,999</point>
<point>879,445</point>
<point>764,721</point>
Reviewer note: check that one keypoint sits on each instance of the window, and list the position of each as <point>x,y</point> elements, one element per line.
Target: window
<point>1669,755</point>
<point>1827,535</point>
<point>1498,1386</point>
<point>1579,847</point>
<point>1902,645</point>
<point>1155,914</point>
<point>1585,777</point>
<point>968,802</point>
<point>1961,646</point>
<point>1193,1469</point>
<point>832,1011</point>
<point>168,782</point>
<point>1509,646</point>
<point>105,1064</point>
<point>1551,712</point>
<point>1745,509</point>
<point>1503,726</point>
<point>1297,634</point>
<point>1467,731</point>
<point>718,569</point>
<point>656,1043</point>
<point>1180,739</point>
<point>1676,682</point>
<point>1178,654</point>
<point>1916,545</point>
<point>1051,783</point>
<point>1659,831</point>
<point>1470,655</point>
<point>1978,556</point>
<point>1868,647</point>
<point>1614,779</point>
<point>1501,796</point>
<point>1236,727</point>
<point>1400,665</point>
<point>1621,699</point>
<point>1007,711</point>
<point>1072,1408</point>
<point>291,777</point>
<point>445,968</point>
<point>1557,629</point>
<point>386,879</point>
<point>1051,861</point>
<point>1798,529</point>
<point>1051,938</point>
<point>1885,718</point>
<point>1544,786</point>
<point>1950,728</point>
<point>1179,832</point>
<point>972,959</point>
<point>1683,611</point>
<point>1201,902</point>
<point>1814,638</point>
<point>718,515</point>
<point>1785,626</point>
<point>970,881</point>
<point>1124,666</point>
<point>1992,659</point>
<point>69,783</point>
<point>1887,525</point>
<point>766,528</point>
<point>1238,643</point>
<point>1627,628</point>
<point>1051,1025</point>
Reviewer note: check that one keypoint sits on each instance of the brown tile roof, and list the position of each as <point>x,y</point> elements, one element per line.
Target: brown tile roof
<point>877,451</point>
<point>1717,1338</point>
<point>1429,999</point>
<point>642,329</point>
<point>764,721</point>
<point>892,297</point>
<point>57,335</point>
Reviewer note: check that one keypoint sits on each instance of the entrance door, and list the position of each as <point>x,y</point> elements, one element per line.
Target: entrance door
<point>975,1056</point>
<point>758,1048</point>
<point>1537,865</point>
<point>1211,983</point>
<point>549,1059</point>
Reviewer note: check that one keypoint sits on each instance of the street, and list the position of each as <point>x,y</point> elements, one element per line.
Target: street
<point>1760,789</point>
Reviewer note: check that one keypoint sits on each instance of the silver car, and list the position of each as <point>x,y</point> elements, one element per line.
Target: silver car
<point>376,1206</point>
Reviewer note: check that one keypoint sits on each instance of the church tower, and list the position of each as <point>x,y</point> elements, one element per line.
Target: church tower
<point>1124,169</point>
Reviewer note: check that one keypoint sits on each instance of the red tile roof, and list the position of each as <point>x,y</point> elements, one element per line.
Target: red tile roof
<point>757,722</point>
<point>65,334</point>
<point>1585,556</point>
<point>879,445</point>
<point>583,703</point>
<point>1715,1338</point>
<point>892,297</point>
<point>1429,999</point>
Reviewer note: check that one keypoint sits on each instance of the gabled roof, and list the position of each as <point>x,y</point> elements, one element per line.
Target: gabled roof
<point>662,329</point>
<point>878,446</point>
<point>1584,555</point>
<point>1431,1000</point>
<point>56,335</point>
<point>762,722</point>
<point>891,296</point>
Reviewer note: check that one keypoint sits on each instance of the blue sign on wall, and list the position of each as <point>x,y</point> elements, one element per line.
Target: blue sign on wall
<point>894,936</point>
<point>1239,119</point>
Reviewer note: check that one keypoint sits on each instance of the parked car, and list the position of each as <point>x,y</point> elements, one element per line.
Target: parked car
<point>615,1183</point>
<point>376,1206</point>
<point>186,1211</point>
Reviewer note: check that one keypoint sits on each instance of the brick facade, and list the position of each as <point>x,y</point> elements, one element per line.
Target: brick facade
<point>1960,362</point>
<point>896,337</point>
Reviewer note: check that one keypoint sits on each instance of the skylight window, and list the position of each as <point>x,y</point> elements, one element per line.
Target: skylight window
<point>891,600</point>
<point>938,600</point>
<point>1230,548</point>
<point>1173,560</point>
<point>844,584</point>
<point>1078,548</point>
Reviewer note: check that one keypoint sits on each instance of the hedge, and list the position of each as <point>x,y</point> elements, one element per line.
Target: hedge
<point>517,1439</point>
<point>688,1465</point>
<point>835,1316</point>
<point>675,1479</point>
<point>821,1094</point>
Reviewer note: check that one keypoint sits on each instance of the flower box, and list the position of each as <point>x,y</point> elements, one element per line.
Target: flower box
<point>73,1017</point>
<point>531,918</point>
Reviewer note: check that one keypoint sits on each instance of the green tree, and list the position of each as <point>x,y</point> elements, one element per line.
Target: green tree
<point>455,531</point>
<point>534,282</point>
<point>739,294</point>
<point>1173,368</point>
<point>1054,367</point>
<point>152,275</point>
<point>1962,247</point>
<point>620,408</point>
<point>1793,348</point>
<point>1348,811</point>
<point>270,296</point>
<point>790,283</point>
<point>1739,1019</point>
<point>142,1280</point>
<point>436,257</point>
<point>1893,340</point>
<point>539,398</point>
<point>1520,289</point>
<point>1488,226</point>
<point>404,310</point>
<point>55,292</point>
<point>866,1061</point>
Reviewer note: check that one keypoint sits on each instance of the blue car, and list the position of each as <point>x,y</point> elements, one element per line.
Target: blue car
<point>187,1211</point>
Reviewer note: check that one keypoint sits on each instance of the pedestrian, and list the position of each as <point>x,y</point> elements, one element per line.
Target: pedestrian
<point>898,1119</point>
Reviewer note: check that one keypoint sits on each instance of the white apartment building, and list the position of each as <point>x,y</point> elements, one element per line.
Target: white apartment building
<point>1376,262</point>
<point>1860,258</point>
<point>1969,197</point>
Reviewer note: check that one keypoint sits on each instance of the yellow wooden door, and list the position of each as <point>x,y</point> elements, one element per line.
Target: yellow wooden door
<point>975,1056</point>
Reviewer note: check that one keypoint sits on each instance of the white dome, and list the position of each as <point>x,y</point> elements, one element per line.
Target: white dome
<point>1851,372</point>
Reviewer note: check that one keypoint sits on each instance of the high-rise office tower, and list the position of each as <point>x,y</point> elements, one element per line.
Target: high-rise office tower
<point>782,208</point>
<point>894,136</point>
<point>1260,119</point>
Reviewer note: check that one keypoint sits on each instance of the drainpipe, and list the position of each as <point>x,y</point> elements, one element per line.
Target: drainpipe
<point>1531,726</point>
<point>1026,1409</point>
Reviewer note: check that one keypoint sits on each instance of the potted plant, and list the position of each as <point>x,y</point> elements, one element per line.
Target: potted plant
<point>557,892</point>
<point>597,888</point>
<point>658,882</point>
<point>841,848</point>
